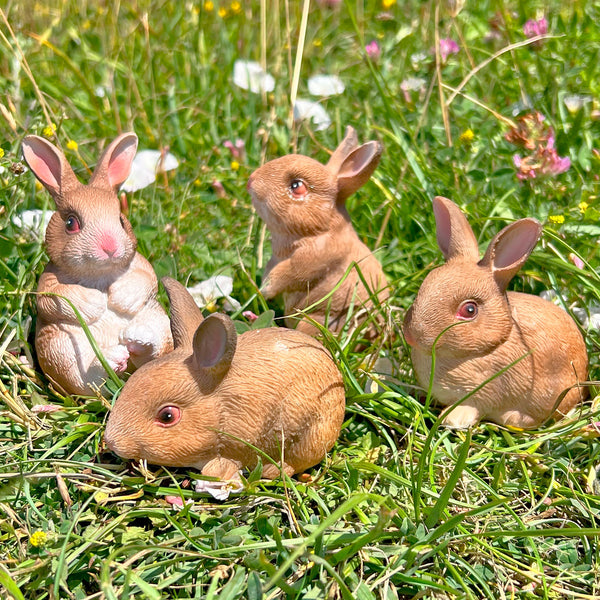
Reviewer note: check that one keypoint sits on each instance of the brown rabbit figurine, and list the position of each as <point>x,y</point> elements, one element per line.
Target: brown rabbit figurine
<point>93,264</point>
<point>303,204</point>
<point>201,405</point>
<point>489,329</point>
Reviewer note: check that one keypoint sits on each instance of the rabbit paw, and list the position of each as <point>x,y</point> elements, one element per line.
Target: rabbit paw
<point>117,358</point>
<point>140,340</point>
<point>460,417</point>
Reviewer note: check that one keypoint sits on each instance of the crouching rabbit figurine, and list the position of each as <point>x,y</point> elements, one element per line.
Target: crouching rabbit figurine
<point>530,350</point>
<point>302,203</point>
<point>217,394</point>
<point>94,265</point>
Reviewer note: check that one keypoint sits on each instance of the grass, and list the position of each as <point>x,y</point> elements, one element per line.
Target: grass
<point>401,508</point>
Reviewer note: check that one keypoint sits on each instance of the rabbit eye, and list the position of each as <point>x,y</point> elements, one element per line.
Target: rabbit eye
<point>467,310</point>
<point>122,219</point>
<point>168,416</point>
<point>298,188</point>
<point>72,224</point>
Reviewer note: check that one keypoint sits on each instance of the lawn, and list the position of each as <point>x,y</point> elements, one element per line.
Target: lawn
<point>496,106</point>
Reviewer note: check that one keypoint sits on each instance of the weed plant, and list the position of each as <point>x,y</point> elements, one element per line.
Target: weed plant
<point>401,508</point>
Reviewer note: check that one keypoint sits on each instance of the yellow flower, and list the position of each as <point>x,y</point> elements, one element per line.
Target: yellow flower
<point>211,306</point>
<point>388,3</point>
<point>222,12</point>
<point>556,219</point>
<point>235,165</point>
<point>86,24</point>
<point>318,43</point>
<point>38,539</point>
<point>583,206</point>
<point>197,182</point>
<point>236,7</point>
<point>466,137</point>
<point>72,145</point>
<point>209,6</point>
<point>49,131</point>
<point>1,153</point>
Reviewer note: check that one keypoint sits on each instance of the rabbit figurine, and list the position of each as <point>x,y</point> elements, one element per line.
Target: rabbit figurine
<point>302,203</point>
<point>518,359</point>
<point>218,396</point>
<point>93,265</point>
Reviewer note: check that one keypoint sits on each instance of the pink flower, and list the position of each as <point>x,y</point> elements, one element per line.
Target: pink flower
<point>533,28</point>
<point>238,150</point>
<point>532,133</point>
<point>448,47</point>
<point>45,408</point>
<point>250,316</point>
<point>373,50</point>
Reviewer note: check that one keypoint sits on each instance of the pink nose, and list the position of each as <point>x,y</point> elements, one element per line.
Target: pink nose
<point>108,245</point>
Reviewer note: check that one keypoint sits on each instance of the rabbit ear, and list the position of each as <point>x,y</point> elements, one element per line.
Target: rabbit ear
<point>454,234</point>
<point>349,143</point>
<point>510,248</point>
<point>356,168</point>
<point>185,314</point>
<point>114,165</point>
<point>214,345</point>
<point>49,165</point>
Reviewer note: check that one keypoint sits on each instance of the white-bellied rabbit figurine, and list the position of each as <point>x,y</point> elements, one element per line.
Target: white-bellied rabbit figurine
<point>95,266</point>
<point>217,393</point>
<point>302,203</point>
<point>522,350</point>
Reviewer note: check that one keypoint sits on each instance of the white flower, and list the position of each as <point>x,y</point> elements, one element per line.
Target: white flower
<point>219,490</point>
<point>309,110</point>
<point>325,85</point>
<point>412,84</point>
<point>145,166</point>
<point>575,102</point>
<point>33,221</point>
<point>249,75</point>
<point>206,293</point>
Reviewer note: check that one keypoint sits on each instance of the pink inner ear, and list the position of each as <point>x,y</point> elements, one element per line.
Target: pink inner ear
<point>43,162</point>
<point>443,227</point>
<point>119,165</point>
<point>516,244</point>
<point>210,343</point>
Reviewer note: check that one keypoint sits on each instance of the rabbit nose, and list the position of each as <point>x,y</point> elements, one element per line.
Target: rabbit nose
<point>108,245</point>
<point>249,184</point>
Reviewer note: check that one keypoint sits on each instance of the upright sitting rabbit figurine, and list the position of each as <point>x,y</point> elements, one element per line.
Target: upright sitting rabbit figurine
<point>303,204</point>
<point>479,330</point>
<point>204,403</point>
<point>94,265</point>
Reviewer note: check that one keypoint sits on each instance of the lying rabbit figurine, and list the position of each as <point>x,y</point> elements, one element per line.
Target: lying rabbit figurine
<point>303,204</point>
<point>204,403</point>
<point>489,329</point>
<point>93,264</point>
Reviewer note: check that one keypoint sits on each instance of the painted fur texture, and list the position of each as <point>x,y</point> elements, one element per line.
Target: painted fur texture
<point>93,265</point>
<point>314,244</point>
<point>204,403</point>
<point>489,329</point>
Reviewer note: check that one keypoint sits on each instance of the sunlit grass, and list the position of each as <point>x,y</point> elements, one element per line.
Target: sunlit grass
<point>400,508</point>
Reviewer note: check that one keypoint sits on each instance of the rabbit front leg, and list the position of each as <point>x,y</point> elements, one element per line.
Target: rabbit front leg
<point>461,417</point>
<point>90,302</point>
<point>148,336</point>
<point>276,278</point>
<point>128,294</point>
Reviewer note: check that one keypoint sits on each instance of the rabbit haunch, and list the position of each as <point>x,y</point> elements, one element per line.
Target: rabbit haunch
<point>314,244</point>
<point>203,404</point>
<point>93,265</point>
<point>481,330</point>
